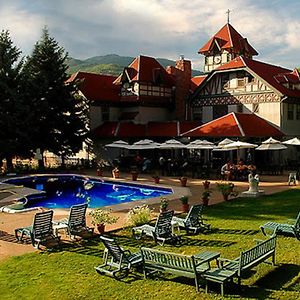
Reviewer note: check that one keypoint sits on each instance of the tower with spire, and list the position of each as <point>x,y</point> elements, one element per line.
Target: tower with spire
<point>224,46</point>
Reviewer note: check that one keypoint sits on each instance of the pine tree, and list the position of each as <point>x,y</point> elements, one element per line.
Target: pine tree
<point>61,117</point>
<point>14,139</point>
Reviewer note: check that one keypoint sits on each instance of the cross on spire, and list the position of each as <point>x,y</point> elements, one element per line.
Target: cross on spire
<point>228,13</point>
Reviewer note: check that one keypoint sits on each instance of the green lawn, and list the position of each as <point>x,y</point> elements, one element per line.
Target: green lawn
<point>69,273</point>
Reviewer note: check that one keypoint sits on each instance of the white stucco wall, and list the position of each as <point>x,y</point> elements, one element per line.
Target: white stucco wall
<point>270,112</point>
<point>147,114</point>
<point>95,116</point>
<point>114,113</point>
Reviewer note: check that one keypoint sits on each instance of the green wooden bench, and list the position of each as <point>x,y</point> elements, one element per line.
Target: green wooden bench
<point>247,260</point>
<point>182,265</point>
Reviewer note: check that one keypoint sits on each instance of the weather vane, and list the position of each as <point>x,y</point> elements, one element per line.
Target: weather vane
<point>228,13</point>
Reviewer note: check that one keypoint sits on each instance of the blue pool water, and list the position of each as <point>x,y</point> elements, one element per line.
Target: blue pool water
<point>63,191</point>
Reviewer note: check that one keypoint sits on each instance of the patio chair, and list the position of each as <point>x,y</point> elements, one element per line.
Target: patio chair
<point>75,224</point>
<point>193,221</point>
<point>117,262</point>
<point>281,228</point>
<point>40,231</point>
<point>162,231</point>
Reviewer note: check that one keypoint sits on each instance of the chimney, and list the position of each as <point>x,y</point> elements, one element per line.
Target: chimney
<point>183,81</point>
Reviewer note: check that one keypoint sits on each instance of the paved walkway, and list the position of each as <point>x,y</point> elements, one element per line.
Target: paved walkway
<point>8,222</point>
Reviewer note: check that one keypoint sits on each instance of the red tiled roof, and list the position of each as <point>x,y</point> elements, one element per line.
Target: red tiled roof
<point>196,81</point>
<point>107,129</point>
<point>152,129</point>
<point>228,38</point>
<point>266,71</point>
<point>97,87</point>
<point>291,77</point>
<point>236,125</point>
<point>145,69</point>
<point>130,129</point>
<point>169,129</point>
<point>188,125</point>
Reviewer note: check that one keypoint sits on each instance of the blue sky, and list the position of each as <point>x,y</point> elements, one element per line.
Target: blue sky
<point>159,28</point>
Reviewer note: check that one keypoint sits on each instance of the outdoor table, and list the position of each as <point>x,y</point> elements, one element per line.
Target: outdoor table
<point>59,227</point>
<point>208,256</point>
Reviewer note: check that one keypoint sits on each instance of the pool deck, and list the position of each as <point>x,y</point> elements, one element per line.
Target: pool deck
<point>8,222</point>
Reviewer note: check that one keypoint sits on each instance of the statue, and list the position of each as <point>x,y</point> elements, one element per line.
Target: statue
<point>253,183</point>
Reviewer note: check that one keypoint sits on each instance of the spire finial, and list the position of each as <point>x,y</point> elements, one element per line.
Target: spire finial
<point>228,15</point>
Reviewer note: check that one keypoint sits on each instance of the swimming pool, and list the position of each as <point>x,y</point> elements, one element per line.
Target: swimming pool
<point>63,191</point>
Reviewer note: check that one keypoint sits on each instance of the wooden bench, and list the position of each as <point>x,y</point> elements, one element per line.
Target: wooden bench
<point>247,260</point>
<point>183,265</point>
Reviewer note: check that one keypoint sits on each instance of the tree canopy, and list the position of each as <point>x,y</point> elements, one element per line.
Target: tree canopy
<point>38,106</point>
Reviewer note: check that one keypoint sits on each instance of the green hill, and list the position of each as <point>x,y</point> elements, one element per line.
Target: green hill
<point>112,64</point>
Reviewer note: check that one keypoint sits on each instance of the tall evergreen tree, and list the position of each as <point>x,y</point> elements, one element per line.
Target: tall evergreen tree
<point>14,138</point>
<point>61,120</point>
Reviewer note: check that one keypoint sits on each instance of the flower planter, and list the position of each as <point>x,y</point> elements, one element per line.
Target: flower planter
<point>116,174</point>
<point>156,179</point>
<point>205,201</point>
<point>101,228</point>
<point>185,207</point>
<point>225,197</point>
<point>183,181</point>
<point>134,176</point>
<point>206,184</point>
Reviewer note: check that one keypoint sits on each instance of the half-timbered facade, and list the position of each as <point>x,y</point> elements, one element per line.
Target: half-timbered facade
<point>244,85</point>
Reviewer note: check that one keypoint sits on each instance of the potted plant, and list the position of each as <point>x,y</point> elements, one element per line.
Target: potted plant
<point>183,181</point>
<point>185,203</point>
<point>226,188</point>
<point>206,184</point>
<point>134,175</point>
<point>99,171</point>
<point>156,178</point>
<point>116,172</point>
<point>205,197</point>
<point>102,217</point>
<point>164,203</point>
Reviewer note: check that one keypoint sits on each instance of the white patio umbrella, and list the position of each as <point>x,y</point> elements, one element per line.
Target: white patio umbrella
<point>118,144</point>
<point>271,144</point>
<point>239,145</point>
<point>225,142</point>
<point>199,144</point>
<point>294,142</point>
<point>172,144</point>
<point>144,144</point>
<point>220,146</point>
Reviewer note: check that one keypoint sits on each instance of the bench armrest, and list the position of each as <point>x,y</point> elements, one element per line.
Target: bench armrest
<point>222,260</point>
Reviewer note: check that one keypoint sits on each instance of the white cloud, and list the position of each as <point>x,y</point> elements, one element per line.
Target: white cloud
<point>22,26</point>
<point>160,28</point>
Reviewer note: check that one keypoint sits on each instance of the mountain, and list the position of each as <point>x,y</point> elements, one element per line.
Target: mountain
<point>112,64</point>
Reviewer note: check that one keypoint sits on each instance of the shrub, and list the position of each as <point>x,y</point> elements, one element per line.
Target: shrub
<point>164,203</point>
<point>139,215</point>
<point>184,199</point>
<point>100,216</point>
